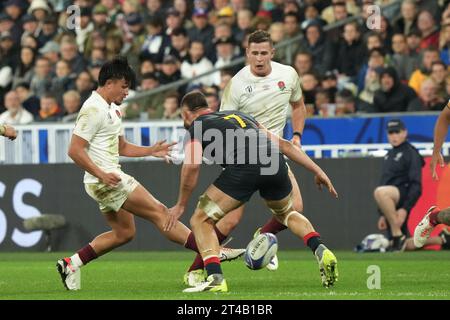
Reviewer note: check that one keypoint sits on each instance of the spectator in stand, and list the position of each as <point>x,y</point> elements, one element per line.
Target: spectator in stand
<point>346,103</point>
<point>244,24</point>
<point>196,64</point>
<point>30,102</point>
<point>303,63</point>
<point>428,98</point>
<point>340,13</point>
<point>84,84</point>
<point>373,40</point>
<point>225,48</point>
<point>9,53</point>
<point>430,55</point>
<point>413,39</point>
<point>30,27</point>
<point>49,30</point>
<point>185,12</point>
<point>225,77</point>
<point>385,31</point>
<point>429,29</point>
<point>402,60</point>
<point>147,107</point>
<point>276,32</point>
<point>393,96</point>
<point>371,78</point>
<point>292,30</point>
<point>85,27</point>
<point>324,103</point>
<point>179,43</point>
<point>50,110</point>
<point>50,51</point>
<point>213,101</point>
<point>39,9</point>
<point>153,9</point>
<point>350,51</point>
<point>173,20</point>
<point>171,109</point>
<point>329,82</point>
<point>315,43</point>
<point>170,70</point>
<point>439,73</point>
<point>42,79</point>
<point>24,71</point>
<point>63,81</point>
<point>201,31</point>
<point>408,17</point>
<point>146,66</point>
<point>15,113</point>
<point>312,14</point>
<point>221,30</point>
<point>376,59</point>
<point>156,40</point>
<point>310,85</point>
<point>444,44</point>
<point>71,104</point>
<point>69,53</point>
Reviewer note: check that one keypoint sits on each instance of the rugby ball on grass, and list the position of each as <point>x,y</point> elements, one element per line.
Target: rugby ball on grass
<point>260,251</point>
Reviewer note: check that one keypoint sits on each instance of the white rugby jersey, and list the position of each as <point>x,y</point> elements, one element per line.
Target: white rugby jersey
<point>101,125</point>
<point>264,98</point>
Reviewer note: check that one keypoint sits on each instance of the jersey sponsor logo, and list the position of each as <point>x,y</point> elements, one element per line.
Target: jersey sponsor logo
<point>281,85</point>
<point>248,89</point>
<point>398,156</point>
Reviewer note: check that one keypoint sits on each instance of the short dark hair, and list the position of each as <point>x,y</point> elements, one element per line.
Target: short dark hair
<point>259,36</point>
<point>116,69</point>
<point>180,31</point>
<point>194,101</point>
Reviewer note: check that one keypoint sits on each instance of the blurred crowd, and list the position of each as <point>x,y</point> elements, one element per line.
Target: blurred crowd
<point>51,52</point>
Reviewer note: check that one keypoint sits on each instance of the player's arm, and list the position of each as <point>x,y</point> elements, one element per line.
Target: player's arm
<point>160,149</point>
<point>77,152</point>
<point>440,132</point>
<point>230,98</point>
<point>298,120</point>
<point>297,155</point>
<point>8,132</point>
<point>188,181</point>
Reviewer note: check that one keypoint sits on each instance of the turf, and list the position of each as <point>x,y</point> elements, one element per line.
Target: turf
<point>158,275</point>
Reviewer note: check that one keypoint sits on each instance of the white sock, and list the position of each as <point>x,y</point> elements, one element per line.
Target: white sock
<point>76,261</point>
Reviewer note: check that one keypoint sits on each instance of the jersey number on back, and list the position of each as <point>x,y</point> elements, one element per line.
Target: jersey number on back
<point>237,118</point>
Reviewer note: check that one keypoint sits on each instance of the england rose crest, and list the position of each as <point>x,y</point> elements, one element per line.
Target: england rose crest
<point>281,85</point>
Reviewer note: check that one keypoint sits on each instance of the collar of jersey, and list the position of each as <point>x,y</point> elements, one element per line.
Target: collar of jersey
<point>99,97</point>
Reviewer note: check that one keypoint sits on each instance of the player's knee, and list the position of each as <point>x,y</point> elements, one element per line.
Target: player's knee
<point>126,235</point>
<point>379,192</point>
<point>197,219</point>
<point>297,206</point>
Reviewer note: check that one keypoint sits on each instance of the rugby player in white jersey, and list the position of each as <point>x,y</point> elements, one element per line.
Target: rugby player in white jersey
<point>97,142</point>
<point>265,90</point>
<point>434,215</point>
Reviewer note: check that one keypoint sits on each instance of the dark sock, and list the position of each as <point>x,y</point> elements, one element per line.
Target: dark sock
<point>212,265</point>
<point>190,242</point>
<point>197,264</point>
<point>396,241</point>
<point>433,218</point>
<point>312,240</point>
<point>273,226</point>
<point>220,235</point>
<point>87,254</point>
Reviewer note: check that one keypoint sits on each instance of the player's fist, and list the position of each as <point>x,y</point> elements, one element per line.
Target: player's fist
<point>110,179</point>
<point>10,132</point>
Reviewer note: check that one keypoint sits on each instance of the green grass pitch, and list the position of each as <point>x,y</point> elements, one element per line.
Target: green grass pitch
<point>158,275</point>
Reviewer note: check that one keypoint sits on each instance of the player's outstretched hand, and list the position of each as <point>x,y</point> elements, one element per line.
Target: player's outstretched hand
<point>435,159</point>
<point>162,149</point>
<point>172,217</point>
<point>321,179</point>
<point>110,179</point>
<point>10,132</point>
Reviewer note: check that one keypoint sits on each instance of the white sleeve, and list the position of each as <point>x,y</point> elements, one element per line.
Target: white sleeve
<point>296,94</point>
<point>230,97</point>
<point>88,123</point>
<point>6,76</point>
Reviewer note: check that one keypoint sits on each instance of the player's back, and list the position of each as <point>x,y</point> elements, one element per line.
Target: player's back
<point>232,138</point>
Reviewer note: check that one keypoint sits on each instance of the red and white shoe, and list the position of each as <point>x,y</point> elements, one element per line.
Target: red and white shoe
<point>423,229</point>
<point>70,276</point>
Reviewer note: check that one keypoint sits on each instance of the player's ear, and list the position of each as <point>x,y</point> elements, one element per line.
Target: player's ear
<point>272,53</point>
